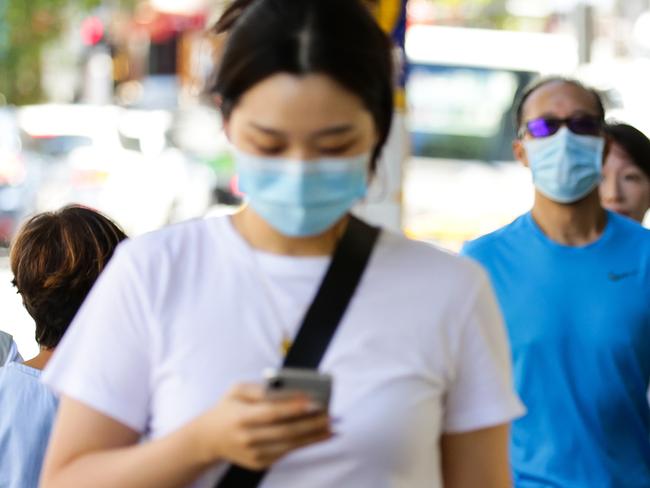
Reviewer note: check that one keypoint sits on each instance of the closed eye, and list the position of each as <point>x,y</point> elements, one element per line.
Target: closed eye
<point>269,150</point>
<point>635,178</point>
<point>338,149</point>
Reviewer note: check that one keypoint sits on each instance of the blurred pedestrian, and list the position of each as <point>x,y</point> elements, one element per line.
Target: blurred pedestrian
<point>187,317</point>
<point>573,281</point>
<point>625,188</point>
<point>8,349</point>
<point>55,259</point>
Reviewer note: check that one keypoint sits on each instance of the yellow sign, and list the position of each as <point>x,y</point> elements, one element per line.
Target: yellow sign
<point>389,13</point>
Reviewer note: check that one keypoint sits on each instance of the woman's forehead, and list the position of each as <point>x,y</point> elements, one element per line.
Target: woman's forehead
<point>620,155</point>
<point>309,102</point>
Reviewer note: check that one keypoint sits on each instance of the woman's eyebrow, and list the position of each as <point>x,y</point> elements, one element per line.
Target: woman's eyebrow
<point>328,131</point>
<point>334,130</point>
<point>267,130</point>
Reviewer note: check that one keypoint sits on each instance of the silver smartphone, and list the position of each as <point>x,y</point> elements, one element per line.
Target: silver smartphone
<point>316,385</point>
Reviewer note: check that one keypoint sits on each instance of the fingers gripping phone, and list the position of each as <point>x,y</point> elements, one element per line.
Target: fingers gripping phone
<point>316,385</point>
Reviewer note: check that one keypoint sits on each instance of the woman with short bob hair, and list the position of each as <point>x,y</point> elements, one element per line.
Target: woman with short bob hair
<point>625,188</point>
<point>186,319</point>
<point>55,259</point>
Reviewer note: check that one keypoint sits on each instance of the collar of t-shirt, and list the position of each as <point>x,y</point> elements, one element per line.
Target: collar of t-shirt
<point>602,240</point>
<point>288,284</point>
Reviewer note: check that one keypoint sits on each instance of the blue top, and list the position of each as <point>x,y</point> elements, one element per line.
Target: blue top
<point>579,326</point>
<point>27,409</point>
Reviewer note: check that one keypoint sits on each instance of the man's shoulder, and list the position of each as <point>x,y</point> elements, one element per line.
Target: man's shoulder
<point>490,242</point>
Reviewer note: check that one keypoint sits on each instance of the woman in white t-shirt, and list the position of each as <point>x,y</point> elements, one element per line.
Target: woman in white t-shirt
<point>160,383</point>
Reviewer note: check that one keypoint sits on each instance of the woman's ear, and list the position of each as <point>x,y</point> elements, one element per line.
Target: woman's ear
<point>217,100</point>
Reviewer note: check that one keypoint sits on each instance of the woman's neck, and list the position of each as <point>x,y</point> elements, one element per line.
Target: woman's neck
<point>260,235</point>
<point>577,224</point>
<point>40,360</point>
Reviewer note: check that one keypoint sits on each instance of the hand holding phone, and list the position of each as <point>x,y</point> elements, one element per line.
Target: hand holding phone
<point>249,428</point>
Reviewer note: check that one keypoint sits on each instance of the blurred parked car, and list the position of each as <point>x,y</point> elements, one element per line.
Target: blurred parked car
<point>117,161</point>
<point>20,177</point>
<point>192,184</point>
<point>198,131</point>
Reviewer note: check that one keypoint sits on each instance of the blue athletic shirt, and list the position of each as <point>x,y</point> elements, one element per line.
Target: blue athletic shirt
<point>579,325</point>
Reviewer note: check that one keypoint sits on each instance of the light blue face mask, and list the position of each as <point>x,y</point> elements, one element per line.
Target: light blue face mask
<point>302,198</point>
<point>566,167</point>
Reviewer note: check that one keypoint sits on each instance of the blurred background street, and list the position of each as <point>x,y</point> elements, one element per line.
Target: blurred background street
<point>102,103</point>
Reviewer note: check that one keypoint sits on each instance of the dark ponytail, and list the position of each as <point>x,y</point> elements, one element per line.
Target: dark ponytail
<point>337,38</point>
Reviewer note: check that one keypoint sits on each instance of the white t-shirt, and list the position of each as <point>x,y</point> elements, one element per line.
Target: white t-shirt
<point>181,315</point>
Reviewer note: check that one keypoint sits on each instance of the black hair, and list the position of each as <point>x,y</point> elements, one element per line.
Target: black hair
<point>540,82</point>
<point>337,38</point>
<point>633,141</point>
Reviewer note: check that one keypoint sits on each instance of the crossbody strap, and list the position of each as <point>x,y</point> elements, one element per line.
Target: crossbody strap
<point>348,263</point>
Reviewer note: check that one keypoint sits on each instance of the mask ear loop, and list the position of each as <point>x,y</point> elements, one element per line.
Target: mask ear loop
<point>378,183</point>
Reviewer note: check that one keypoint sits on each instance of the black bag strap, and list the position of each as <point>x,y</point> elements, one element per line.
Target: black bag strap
<point>322,319</point>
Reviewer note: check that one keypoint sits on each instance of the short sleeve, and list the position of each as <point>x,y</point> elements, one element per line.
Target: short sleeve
<point>104,359</point>
<point>8,349</point>
<point>481,393</point>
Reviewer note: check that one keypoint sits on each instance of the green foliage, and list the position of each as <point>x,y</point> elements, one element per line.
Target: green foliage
<point>26,27</point>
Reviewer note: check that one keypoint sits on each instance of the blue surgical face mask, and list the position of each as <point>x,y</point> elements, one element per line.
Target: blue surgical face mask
<point>566,166</point>
<point>302,198</point>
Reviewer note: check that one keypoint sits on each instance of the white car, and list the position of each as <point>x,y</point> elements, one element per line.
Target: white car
<point>116,161</point>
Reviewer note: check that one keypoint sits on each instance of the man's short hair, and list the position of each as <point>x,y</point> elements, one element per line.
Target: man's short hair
<point>539,83</point>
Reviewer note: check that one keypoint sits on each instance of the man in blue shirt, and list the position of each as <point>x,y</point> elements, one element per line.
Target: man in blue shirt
<point>573,281</point>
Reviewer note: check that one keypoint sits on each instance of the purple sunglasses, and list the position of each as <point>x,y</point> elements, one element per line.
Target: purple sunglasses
<point>585,125</point>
